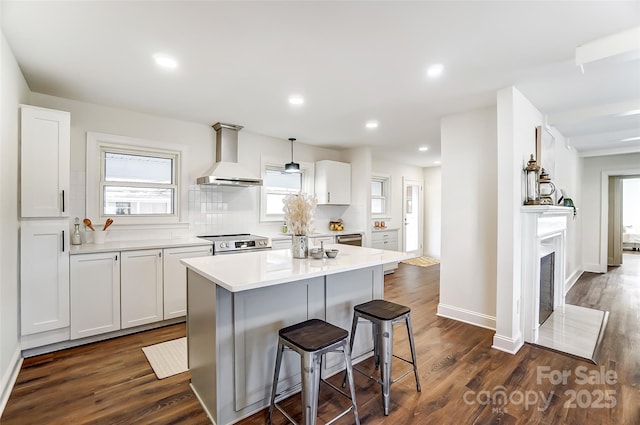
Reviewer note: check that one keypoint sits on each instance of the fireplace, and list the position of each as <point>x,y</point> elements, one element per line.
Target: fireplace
<point>544,231</point>
<point>545,308</point>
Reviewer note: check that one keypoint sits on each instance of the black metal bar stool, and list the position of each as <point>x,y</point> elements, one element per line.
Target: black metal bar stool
<point>312,339</point>
<point>383,315</point>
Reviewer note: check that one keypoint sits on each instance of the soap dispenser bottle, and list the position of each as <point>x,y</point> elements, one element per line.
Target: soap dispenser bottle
<point>75,236</point>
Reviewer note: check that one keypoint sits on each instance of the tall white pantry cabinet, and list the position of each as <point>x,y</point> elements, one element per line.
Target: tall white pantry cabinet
<point>44,225</point>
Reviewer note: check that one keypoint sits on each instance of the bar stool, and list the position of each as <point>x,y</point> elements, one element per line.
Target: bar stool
<point>383,315</point>
<point>312,339</point>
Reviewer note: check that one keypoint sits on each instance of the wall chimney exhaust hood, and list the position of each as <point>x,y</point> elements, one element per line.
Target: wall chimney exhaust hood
<point>226,171</point>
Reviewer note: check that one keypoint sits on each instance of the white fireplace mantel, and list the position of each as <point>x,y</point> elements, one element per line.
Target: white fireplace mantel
<point>544,230</point>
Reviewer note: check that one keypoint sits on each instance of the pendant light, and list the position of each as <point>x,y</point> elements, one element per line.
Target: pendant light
<point>292,167</point>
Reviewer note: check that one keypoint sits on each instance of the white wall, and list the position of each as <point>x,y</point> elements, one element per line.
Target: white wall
<point>397,172</point>
<point>469,211</point>
<point>517,120</point>
<point>14,91</point>
<point>207,210</point>
<point>594,171</point>
<point>432,211</point>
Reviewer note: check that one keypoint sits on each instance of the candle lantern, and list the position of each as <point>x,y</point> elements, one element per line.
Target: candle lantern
<point>532,189</point>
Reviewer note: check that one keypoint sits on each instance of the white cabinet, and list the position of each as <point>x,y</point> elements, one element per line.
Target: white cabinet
<point>44,164</point>
<point>281,243</point>
<point>95,294</point>
<point>385,240</point>
<point>175,278</point>
<point>333,182</point>
<point>44,275</point>
<point>315,241</point>
<point>388,240</point>
<point>141,287</point>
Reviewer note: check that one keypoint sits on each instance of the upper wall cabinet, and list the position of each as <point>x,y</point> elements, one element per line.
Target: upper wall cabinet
<point>45,151</point>
<point>333,183</point>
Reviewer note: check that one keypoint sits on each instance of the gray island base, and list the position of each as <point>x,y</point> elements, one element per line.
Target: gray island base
<point>237,303</point>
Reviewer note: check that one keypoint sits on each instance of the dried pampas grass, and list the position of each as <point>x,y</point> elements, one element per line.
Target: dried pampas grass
<point>299,211</point>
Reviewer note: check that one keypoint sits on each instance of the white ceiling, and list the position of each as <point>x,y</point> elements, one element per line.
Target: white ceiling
<point>352,62</point>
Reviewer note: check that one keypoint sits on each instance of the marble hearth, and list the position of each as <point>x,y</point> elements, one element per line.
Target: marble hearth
<point>569,329</point>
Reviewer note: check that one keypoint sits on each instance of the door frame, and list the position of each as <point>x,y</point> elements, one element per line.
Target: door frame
<point>604,213</point>
<point>409,182</point>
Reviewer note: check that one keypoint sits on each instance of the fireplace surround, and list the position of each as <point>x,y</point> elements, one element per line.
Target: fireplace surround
<point>544,231</point>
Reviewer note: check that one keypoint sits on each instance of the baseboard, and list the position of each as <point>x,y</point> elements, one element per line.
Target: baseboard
<point>592,268</point>
<point>467,316</point>
<point>571,280</point>
<point>506,344</point>
<point>10,381</point>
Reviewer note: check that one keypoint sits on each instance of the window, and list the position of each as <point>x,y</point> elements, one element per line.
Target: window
<point>133,181</point>
<point>379,195</point>
<point>137,184</point>
<point>277,184</point>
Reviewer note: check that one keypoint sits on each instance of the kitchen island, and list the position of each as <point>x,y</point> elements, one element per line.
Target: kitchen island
<point>237,303</point>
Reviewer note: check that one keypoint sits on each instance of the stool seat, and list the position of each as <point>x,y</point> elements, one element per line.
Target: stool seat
<point>312,335</point>
<point>312,339</point>
<point>382,309</point>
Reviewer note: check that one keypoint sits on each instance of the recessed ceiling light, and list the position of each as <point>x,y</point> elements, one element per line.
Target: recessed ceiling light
<point>371,124</point>
<point>165,61</point>
<point>423,148</point>
<point>436,162</point>
<point>630,139</point>
<point>435,70</point>
<point>296,99</point>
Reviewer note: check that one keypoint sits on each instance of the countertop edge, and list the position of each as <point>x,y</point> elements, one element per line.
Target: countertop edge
<point>136,245</point>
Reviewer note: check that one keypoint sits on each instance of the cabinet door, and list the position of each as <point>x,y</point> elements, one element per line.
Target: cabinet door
<point>95,294</point>
<point>315,241</point>
<point>44,275</point>
<point>141,287</point>
<point>44,165</point>
<point>333,182</point>
<point>175,278</point>
<point>281,243</point>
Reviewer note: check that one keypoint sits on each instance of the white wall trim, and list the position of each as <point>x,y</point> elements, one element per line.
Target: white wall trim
<point>467,316</point>
<point>571,280</point>
<point>592,267</point>
<point>6,386</point>
<point>508,345</point>
<point>604,215</point>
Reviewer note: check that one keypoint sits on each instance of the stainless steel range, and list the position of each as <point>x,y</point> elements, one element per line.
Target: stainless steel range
<point>241,242</point>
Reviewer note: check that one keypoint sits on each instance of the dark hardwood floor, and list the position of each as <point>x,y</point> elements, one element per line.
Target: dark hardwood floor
<point>463,378</point>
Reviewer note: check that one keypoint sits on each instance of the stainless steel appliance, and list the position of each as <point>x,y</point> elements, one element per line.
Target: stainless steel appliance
<point>241,242</point>
<point>351,239</point>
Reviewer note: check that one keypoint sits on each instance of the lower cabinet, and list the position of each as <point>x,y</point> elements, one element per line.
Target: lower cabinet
<point>315,241</point>
<point>175,278</point>
<point>386,240</point>
<point>95,294</point>
<point>141,287</point>
<point>44,275</point>
<point>281,243</point>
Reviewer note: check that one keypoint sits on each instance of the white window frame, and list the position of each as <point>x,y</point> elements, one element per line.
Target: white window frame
<point>385,179</point>
<point>98,144</point>
<point>308,172</point>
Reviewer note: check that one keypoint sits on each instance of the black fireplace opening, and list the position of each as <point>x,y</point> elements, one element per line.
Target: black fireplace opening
<point>547,272</point>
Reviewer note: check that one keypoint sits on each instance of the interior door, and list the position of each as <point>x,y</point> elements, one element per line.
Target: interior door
<point>412,216</point>
<point>614,257</point>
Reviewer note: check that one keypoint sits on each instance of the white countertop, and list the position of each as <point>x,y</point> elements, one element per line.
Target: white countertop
<point>90,248</point>
<point>251,270</point>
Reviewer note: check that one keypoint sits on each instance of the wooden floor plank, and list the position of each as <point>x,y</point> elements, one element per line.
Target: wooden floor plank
<point>111,382</point>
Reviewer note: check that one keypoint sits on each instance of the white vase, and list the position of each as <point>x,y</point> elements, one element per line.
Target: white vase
<point>299,248</point>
